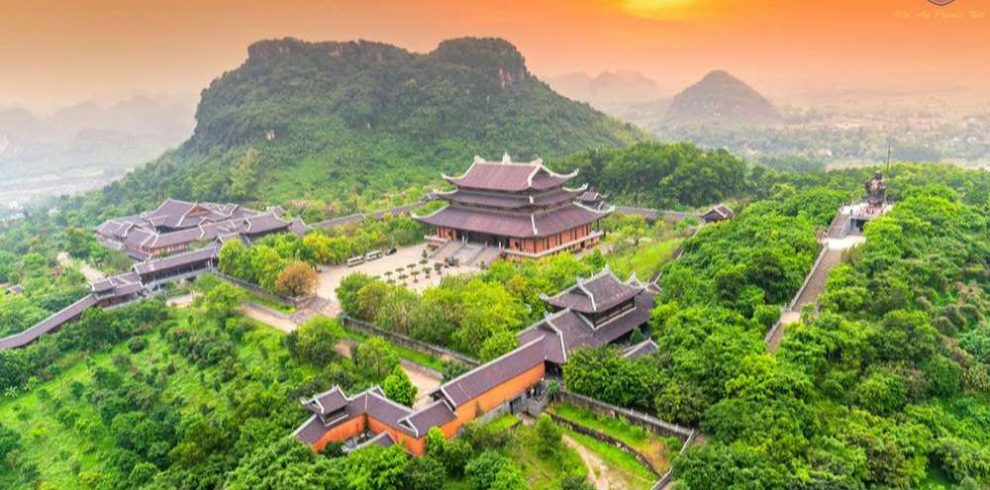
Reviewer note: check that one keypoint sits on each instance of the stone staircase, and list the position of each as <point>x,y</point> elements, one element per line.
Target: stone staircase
<point>467,253</point>
<point>485,257</point>
<point>446,251</point>
<point>839,227</point>
<point>816,283</point>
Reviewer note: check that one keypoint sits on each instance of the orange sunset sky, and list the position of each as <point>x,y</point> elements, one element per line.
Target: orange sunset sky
<point>55,52</point>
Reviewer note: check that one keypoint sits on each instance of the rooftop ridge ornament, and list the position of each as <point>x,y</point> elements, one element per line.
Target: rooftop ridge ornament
<point>506,159</point>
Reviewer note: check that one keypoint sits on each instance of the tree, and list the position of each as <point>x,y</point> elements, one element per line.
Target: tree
<point>483,471</point>
<point>222,301</point>
<point>435,441</point>
<point>376,468</point>
<point>315,341</point>
<point>548,433</point>
<point>10,441</point>
<point>509,478</point>
<point>244,175</point>
<point>399,388</point>
<point>370,299</point>
<point>7,262</point>
<point>395,310</point>
<point>347,292</point>
<point>376,358</point>
<point>235,260</point>
<point>425,473</point>
<point>498,344</point>
<point>576,483</point>
<point>298,279</point>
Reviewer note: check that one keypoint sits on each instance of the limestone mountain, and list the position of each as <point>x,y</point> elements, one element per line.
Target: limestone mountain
<point>333,120</point>
<point>720,99</point>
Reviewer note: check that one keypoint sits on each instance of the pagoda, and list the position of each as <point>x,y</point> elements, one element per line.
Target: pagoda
<point>522,209</point>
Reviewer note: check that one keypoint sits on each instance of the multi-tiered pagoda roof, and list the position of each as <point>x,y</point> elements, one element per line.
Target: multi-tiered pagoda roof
<point>511,199</point>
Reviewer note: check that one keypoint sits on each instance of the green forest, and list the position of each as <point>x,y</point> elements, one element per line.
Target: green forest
<point>885,384</point>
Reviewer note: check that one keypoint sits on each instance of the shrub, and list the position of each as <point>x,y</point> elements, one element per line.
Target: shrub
<point>483,470</point>
<point>399,388</point>
<point>548,434</point>
<point>426,473</point>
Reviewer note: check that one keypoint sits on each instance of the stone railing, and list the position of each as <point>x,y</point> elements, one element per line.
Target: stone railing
<point>407,342</point>
<point>653,424</point>
<point>603,437</point>
<point>648,422</point>
<point>667,477</point>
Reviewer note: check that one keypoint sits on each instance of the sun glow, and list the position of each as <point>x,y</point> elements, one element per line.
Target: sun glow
<point>661,9</point>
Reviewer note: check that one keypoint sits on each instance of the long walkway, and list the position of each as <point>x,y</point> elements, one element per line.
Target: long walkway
<point>814,284</point>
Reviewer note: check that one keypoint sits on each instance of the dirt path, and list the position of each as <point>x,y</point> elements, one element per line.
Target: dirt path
<point>91,274</point>
<point>182,301</point>
<point>283,324</point>
<point>599,473</point>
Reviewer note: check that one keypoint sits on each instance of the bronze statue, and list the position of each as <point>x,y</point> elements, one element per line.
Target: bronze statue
<point>876,190</point>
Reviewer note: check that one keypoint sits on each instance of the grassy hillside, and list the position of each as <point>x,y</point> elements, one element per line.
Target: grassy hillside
<point>332,121</point>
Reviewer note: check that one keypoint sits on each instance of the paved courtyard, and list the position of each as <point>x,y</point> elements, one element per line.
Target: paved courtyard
<point>330,277</point>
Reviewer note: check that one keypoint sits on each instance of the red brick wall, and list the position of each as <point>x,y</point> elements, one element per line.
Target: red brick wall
<point>347,430</point>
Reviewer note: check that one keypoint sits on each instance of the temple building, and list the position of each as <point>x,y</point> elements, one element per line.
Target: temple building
<point>596,311</point>
<point>175,226</point>
<point>521,209</point>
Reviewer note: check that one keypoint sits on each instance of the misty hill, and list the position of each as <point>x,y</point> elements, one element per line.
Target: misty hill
<point>723,100</point>
<point>92,136</point>
<point>608,90</point>
<point>330,121</point>
<point>627,95</point>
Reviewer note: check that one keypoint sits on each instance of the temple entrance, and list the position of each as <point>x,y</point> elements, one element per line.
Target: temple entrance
<point>483,239</point>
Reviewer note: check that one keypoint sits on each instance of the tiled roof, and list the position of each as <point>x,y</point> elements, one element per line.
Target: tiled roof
<point>509,176</point>
<point>264,223</point>
<point>641,349</point>
<point>513,225</point>
<point>327,402</point>
<point>572,330</point>
<point>186,222</point>
<point>595,294</point>
<point>717,213</point>
<point>433,415</point>
<point>178,260</point>
<point>472,384</point>
<point>48,324</point>
<point>311,430</point>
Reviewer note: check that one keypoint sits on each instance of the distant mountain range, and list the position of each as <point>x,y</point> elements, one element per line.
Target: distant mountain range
<point>92,136</point>
<point>723,100</point>
<point>717,99</point>
<point>330,121</point>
